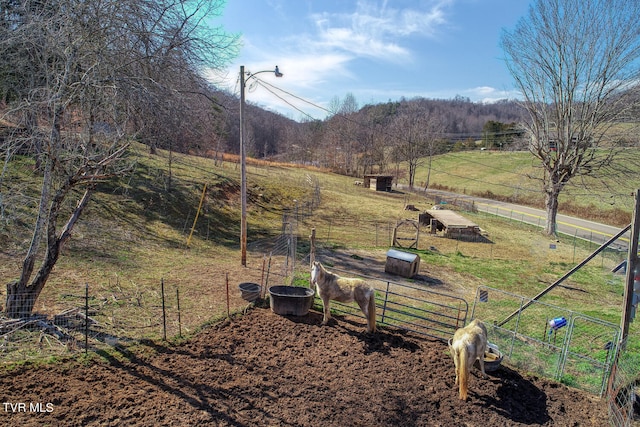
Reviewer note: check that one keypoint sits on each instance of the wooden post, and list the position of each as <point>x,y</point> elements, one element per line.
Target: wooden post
<point>632,263</point>
<point>179,314</point>
<point>86,318</point>
<point>266,280</point>
<point>312,253</point>
<point>164,312</point>
<point>228,310</point>
<point>243,177</point>
<point>195,220</point>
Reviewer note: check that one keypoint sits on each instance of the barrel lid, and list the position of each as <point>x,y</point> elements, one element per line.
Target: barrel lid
<point>404,256</point>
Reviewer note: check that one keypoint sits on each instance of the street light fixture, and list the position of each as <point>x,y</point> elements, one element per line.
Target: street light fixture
<point>243,160</point>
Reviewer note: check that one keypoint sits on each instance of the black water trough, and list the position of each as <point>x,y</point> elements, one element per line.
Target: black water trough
<point>492,358</point>
<point>250,291</point>
<point>291,300</point>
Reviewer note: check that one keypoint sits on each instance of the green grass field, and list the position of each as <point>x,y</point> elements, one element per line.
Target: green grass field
<point>515,176</point>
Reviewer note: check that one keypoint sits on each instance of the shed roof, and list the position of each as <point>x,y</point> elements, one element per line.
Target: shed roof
<point>451,219</point>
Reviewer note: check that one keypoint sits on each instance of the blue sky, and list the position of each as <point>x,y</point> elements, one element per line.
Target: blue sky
<point>376,50</point>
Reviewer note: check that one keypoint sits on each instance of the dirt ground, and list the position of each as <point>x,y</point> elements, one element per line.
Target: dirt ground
<point>263,369</point>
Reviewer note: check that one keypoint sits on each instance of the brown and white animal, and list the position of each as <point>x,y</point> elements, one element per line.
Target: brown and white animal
<point>468,344</point>
<point>330,286</point>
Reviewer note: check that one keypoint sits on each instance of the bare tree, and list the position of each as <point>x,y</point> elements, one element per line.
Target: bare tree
<point>575,63</point>
<point>374,140</point>
<point>415,130</point>
<point>342,132</point>
<point>80,70</point>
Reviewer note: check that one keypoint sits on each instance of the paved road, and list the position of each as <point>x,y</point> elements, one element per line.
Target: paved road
<point>571,226</point>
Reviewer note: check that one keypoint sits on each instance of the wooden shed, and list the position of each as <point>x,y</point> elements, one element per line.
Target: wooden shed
<point>449,222</point>
<point>403,264</point>
<point>378,182</point>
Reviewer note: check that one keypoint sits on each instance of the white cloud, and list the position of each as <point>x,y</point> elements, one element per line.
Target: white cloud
<point>327,51</point>
<point>483,90</point>
<point>487,94</point>
<point>484,94</point>
<point>377,30</point>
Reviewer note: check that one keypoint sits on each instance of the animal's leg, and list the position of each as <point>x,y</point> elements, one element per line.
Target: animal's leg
<point>326,311</point>
<point>466,361</point>
<point>481,361</point>
<point>371,313</point>
<point>364,306</point>
<point>456,363</point>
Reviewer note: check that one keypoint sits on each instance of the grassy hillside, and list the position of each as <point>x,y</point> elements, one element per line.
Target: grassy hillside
<point>514,176</point>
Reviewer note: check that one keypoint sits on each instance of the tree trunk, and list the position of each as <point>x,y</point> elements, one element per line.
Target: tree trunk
<point>22,296</point>
<point>20,300</point>
<point>426,184</point>
<point>551,206</point>
<point>413,164</point>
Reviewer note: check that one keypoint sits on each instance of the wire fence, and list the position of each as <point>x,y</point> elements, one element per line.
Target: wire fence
<point>550,341</point>
<point>621,394</point>
<point>578,350</point>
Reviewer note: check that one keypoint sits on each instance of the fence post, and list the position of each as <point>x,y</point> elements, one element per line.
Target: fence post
<point>86,318</point>
<point>228,310</point>
<point>384,306</point>
<point>164,312</point>
<point>179,316</point>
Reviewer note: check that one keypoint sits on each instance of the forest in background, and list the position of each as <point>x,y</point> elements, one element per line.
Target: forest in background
<point>356,140</point>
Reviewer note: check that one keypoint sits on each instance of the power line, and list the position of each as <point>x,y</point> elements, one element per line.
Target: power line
<point>284,100</point>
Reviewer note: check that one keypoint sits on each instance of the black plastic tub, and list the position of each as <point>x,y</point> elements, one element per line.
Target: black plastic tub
<point>250,291</point>
<point>291,300</point>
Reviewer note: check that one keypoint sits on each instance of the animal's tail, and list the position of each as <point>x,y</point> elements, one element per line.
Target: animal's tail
<point>372,312</point>
<point>463,371</point>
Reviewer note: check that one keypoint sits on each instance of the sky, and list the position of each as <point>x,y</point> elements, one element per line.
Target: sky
<point>375,50</point>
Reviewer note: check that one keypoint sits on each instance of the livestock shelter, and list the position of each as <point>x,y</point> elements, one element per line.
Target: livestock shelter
<point>451,223</point>
<point>378,182</point>
<point>403,264</point>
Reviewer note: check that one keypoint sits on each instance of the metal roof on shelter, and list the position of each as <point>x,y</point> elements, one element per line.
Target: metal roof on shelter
<point>451,219</point>
<point>404,256</point>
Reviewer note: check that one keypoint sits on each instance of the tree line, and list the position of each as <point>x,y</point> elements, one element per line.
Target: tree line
<point>356,140</point>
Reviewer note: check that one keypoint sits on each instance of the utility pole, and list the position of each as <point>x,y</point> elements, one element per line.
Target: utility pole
<point>243,175</point>
<point>632,266</point>
<point>243,160</point>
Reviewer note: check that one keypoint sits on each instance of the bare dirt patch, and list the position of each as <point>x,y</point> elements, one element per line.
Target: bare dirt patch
<point>262,369</point>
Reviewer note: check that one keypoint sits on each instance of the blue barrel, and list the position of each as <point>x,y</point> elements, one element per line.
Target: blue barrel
<point>557,323</point>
